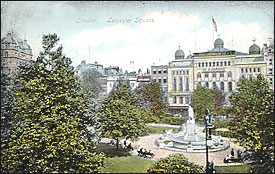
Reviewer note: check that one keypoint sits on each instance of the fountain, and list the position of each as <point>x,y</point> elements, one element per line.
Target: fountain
<point>190,139</point>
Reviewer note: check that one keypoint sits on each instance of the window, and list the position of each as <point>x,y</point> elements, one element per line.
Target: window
<point>154,72</point>
<point>214,75</point>
<point>254,69</point>
<point>154,80</point>
<point>175,84</point>
<point>228,63</point>
<point>180,72</point>
<point>250,76</point>
<point>6,54</point>
<point>213,63</point>
<point>214,85</point>
<point>202,64</point>
<point>246,70</point>
<point>177,72</point>
<point>199,64</point>
<point>187,100</point>
<point>164,80</point>
<point>159,80</point>
<point>225,63</point>
<point>270,61</point>
<point>243,76</point>
<point>165,71</point>
<point>186,84</point>
<point>181,100</point>
<point>187,72</point>
<point>222,86</point>
<point>206,63</point>
<point>221,74</point>
<point>159,71</point>
<point>259,69</point>
<point>173,72</point>
<point>230,86</point>
<point>217,63</point>
<point>229,74</point>
<point>270,81</point>
<point>210,63</point>
<point>199,75</point>
<point>132,84</point>
<point>199,84</point>
<point>175,99</point>
<point>250,70</point>
<point>207,84</point>
<point>206,75</point>
<point>242,70</point>
<point>181,87</point>
<point>221,63</point>
<point>270,71</point>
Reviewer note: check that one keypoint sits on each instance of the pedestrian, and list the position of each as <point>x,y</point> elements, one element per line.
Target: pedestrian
<point>232,152</point>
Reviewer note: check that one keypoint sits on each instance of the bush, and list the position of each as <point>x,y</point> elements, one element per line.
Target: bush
<point>222,123</point>
<point>175,163</point>
<point>173,120</point>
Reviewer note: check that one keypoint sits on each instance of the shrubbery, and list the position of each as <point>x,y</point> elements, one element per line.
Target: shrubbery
<point>173,120</point>
<point>222,123</point>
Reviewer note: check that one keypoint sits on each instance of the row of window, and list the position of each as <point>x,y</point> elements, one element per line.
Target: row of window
<point>212,64</point>
<point>160,71</point>
<point>215,85</point>
<point>160,80</point>
<point>250,70</point>
<point>175,99</point>
<point>181,84</point>
<point>214,74</point>
<point>186,72</point>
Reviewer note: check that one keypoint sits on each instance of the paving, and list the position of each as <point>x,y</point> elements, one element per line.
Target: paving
<point>148,143</point>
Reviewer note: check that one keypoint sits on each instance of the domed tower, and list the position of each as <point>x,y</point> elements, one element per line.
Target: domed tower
<point>218,43</point>
<point>179,54</point>
<point>254,49</point>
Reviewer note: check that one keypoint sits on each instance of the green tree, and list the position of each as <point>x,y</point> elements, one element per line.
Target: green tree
<point>151,95</point>
<point>202,98</point>
<point>253,103</point>
<point>6,104</point>
<point>52,117</point>
<point>90,82</point>
<point>175,163</point>
<point>122,114</point>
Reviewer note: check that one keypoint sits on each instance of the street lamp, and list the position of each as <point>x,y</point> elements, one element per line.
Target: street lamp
<point>208,127</point>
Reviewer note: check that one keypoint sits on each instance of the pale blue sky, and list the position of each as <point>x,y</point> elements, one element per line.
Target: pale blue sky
<point>145,43</point>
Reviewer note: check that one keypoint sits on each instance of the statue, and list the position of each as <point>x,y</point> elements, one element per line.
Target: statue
<point>191,118</point>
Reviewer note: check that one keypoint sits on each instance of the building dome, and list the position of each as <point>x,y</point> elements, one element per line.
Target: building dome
<point>254,49</point>
<point>179,54</point>
<point>218,43</point>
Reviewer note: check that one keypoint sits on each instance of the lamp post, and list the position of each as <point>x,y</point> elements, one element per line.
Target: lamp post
<point>208,127</point>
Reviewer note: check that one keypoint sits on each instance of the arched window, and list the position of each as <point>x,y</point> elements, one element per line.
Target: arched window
<point>6,54</point>
<point>199,64</point>
<point>202,64</point>
<point>230,86</point>
<point>175,99</point>
<point>207,84</point>
<point>222,86</point>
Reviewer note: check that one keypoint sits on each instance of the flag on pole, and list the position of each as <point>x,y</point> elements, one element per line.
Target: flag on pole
<point>214,24</point>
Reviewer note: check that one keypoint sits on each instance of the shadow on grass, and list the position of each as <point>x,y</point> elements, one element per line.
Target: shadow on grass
<point>111,151</point>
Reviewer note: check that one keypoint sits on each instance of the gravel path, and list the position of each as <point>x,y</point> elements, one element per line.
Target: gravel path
<point>148,143</point>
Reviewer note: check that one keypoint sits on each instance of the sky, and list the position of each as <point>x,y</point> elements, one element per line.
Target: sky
<point>114,33</point>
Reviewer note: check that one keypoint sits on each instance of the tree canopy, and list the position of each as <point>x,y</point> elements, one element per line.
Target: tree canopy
<point>175,163</point>
<point>122,114</point>
<point>202,99</point>
<point>50,134</point>
<point>253,103</point>
<point>151,95</point>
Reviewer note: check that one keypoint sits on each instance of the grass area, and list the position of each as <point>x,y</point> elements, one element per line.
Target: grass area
<point>233,169</point>
<point>157,130</point>
<point>127,164</point>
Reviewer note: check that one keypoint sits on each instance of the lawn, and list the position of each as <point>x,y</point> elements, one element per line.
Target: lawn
<point>158,130</point>
<point>129,164</point>
<point>233,169</point>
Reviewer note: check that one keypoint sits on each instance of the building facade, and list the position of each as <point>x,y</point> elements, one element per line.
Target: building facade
<point>159,74</point>
<point>14,52</point>
<point>180,82</point>
<point>268,51</point>
<point>219,68</point>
